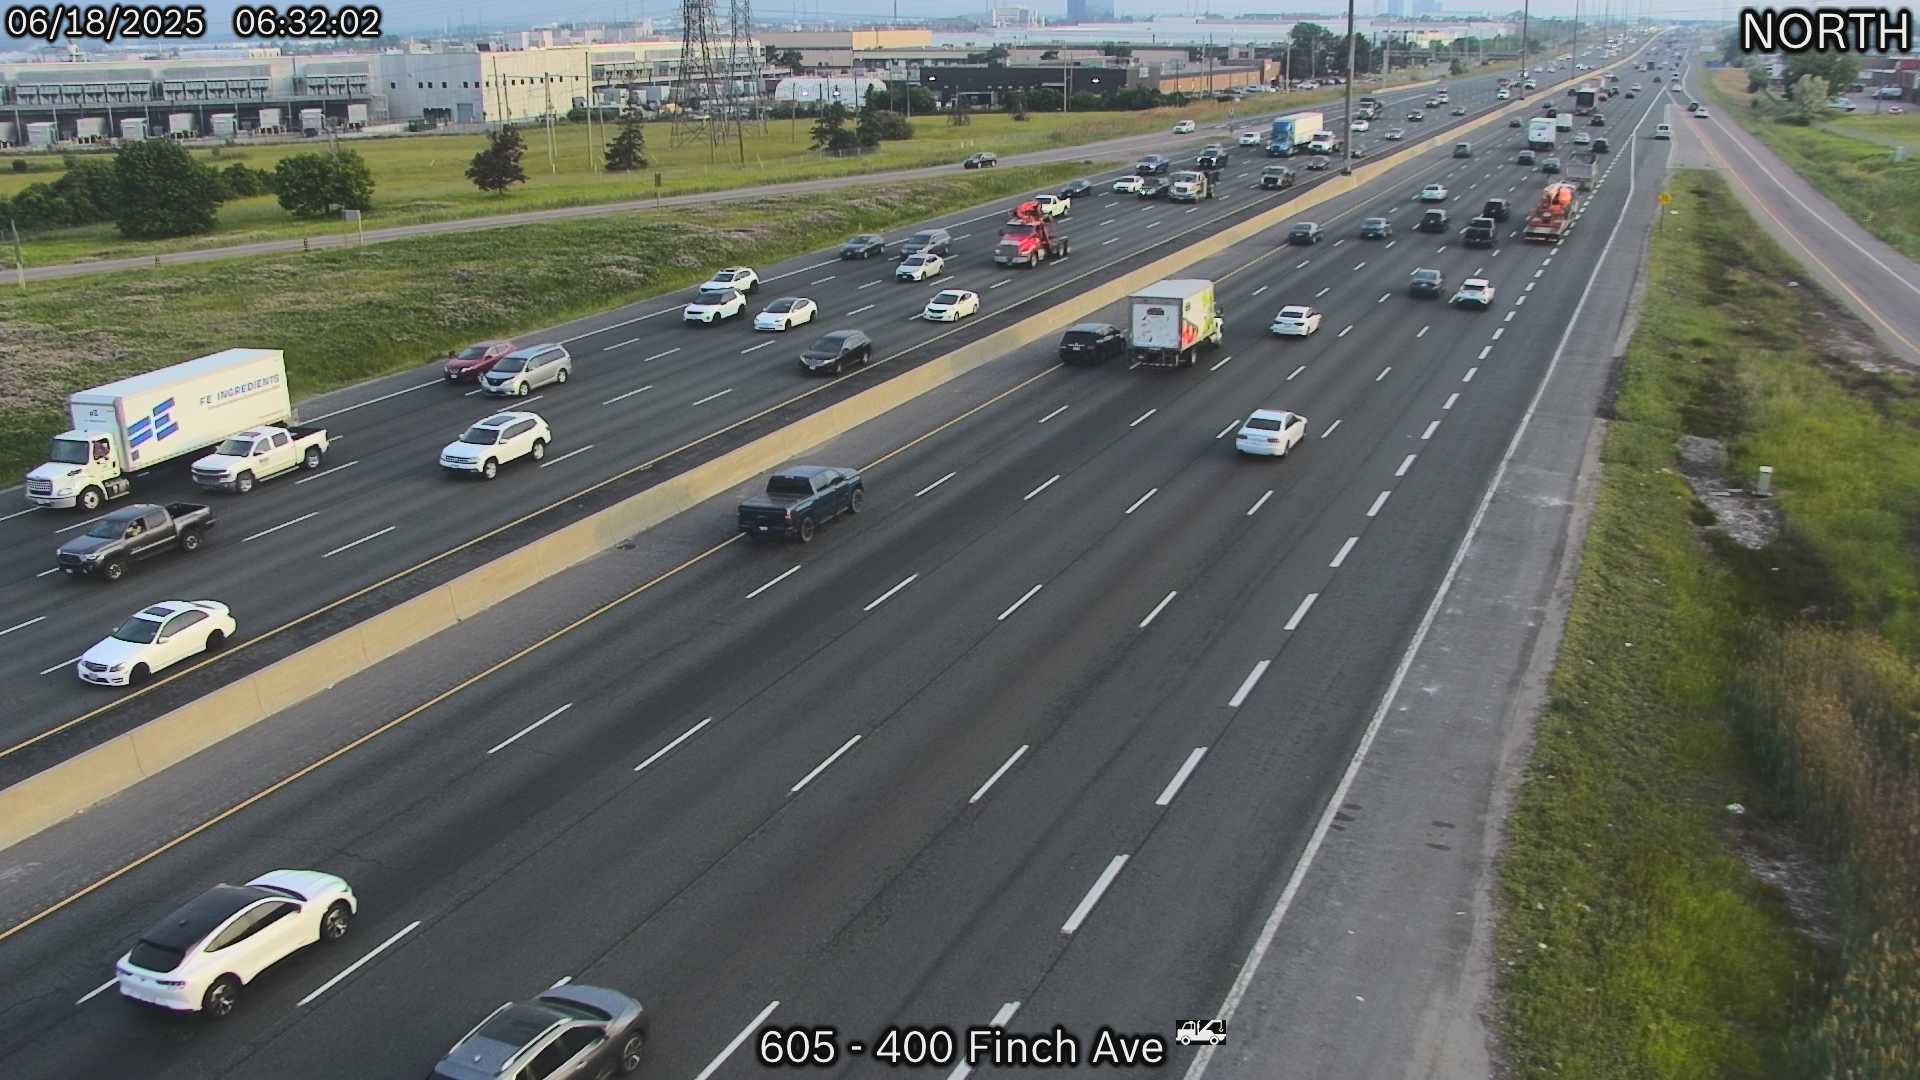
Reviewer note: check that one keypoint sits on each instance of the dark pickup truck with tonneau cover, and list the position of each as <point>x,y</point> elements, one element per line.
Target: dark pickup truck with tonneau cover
<point>800,499</point>
<point>140,531</point>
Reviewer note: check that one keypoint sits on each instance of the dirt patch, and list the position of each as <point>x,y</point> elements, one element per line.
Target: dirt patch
<point>1737,514</point>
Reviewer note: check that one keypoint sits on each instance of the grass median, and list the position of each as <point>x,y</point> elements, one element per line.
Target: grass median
<point>1849,159</point>
<point>422,178</point>
<point>347,315</point>
<point>1648,931</point>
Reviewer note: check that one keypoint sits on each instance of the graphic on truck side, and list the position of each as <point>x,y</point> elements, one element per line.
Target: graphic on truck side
<point>155,426</point>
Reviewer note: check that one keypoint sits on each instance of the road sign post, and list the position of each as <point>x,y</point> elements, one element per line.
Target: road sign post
<point>1666,200</point>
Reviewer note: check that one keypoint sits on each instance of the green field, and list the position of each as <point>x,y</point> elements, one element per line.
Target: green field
<point>1635,941</point>
<point>352,314</point>
<point>1846,158</point>
<point>422,178</point>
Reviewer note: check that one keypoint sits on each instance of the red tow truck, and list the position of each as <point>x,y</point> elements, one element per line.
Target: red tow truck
<point>1029,238</point>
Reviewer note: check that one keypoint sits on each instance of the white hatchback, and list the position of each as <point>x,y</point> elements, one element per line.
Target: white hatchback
<point>198,958</point>
<point>1270,433</point>
<point>155,638</point>
<point>1295,321</point>
<point>493,442</point>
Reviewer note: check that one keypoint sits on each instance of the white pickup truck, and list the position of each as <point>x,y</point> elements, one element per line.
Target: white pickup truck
<point>1054,206</point>
<point>260,453</point>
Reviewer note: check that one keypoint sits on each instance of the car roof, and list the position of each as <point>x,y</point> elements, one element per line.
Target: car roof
<point>532,349</point>
<point>716,296</point>
<point>502,419</point>
<point>1301,308</point>
<point>1426,270</point>
<point>504,1035</point>
<point>161,610</point>
<point>955,293</point>
<point>814,470</point>
<point>1477,283</point>
<point>192,921</point>
<point>785,300</point>
<point>1269,414</point>
<point>129,513</point>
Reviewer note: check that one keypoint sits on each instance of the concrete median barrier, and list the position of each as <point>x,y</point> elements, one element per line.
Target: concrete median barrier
<point>66,789</point>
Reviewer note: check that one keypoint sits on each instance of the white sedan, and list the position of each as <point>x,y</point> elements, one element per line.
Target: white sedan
<point>1128,185</point>
<point>1295,321</point>
<point>952,305</point>
<point>786,313</point>
<point>197,958</point>
<point>713,307</point>
<point>1434,193</point>
<point>1249,138</point>
<point>1360,125</point>
<point>1395,134</point>
<point>1475,291</point>
<point>1270,433</point>
<point>920,267</point>
<point>155,638</point>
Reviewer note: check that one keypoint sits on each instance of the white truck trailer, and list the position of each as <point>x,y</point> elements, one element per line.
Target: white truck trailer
<point>1172,319</point>
<point>1540,133</point>
<point>147,420</point>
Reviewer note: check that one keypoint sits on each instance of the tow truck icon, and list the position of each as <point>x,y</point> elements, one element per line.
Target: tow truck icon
<point>1213,1032</point>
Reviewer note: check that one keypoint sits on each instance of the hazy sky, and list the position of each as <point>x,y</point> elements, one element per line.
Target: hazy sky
<point>405,15</point>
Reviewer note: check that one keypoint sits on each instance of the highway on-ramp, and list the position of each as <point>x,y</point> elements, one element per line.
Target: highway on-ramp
<point>1035,737</point>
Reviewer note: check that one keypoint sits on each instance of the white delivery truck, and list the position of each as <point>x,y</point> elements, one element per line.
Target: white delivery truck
<point>1172,319</point>
<point>1563,122</point>
<point>147,420</point>
<point>1540,133</point>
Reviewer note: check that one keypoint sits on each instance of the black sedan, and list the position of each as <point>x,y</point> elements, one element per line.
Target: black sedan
<point>833,352</point>
<point>864,246</point>
<point>1155,187</point>
<point>1427,282</point>
<point>1076,188</point>
<point>1092,343</point>
<point>981,160</point>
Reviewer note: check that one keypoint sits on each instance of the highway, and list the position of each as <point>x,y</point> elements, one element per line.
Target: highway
<point>300,557</point>
<point>1034,737</point>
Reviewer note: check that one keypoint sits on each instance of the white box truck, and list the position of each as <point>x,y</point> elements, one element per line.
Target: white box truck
<point>1563,122</point>
<point>313,119</point>
<point>180,125</point>
<point>269,121</point>
<point>356,116</point>
<point>147,420</point>
<point>1172,319</point>
<point>225,125</point>
<point>90,128</point>
<point>1540,133</point>
<point>133,130</point>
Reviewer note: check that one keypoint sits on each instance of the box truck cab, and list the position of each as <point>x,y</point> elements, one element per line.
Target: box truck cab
<point>148,420</point>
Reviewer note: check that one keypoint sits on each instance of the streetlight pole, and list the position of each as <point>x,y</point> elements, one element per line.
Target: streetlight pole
<point>1523,39</point>
<point>1347,143</point>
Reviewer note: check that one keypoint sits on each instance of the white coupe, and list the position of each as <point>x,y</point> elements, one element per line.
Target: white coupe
<point>198,958</point>
<point>786,313</point>
<point>155,638</point>
<point>952,305</point>
<point>1270,433</point>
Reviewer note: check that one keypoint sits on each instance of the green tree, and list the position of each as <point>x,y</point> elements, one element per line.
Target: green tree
<point>163,192</point>
<point>1840,70</point>
<point>830,130</point>
<point>1455,67</point>
<point>243,182</point>
<point>962,113</point>
<point>498,167</point>
<point>1810,93</point>
<point>784,58</point>
<point>90,189</point>
<point>920,101</point>
<point>628,151</point>
<point>37,206</point>
<point>877,99</point>
<point>317,185</point>
<point>1017,104</point>
<point>1757,76</point>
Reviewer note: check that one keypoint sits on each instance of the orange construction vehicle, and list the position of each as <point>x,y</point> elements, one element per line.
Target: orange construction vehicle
<point>1028,238</point>
<point>1553,215</point>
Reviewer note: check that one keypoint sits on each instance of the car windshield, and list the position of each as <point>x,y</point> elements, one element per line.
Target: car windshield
<point>510,364</point>
<point>472,352</point>
<point>235,447</point>
<point>1375,223</point>
<point>710,298</point>
<point>138,630</point>
<point>780,307</point>
<point>947,298</point>
<point>830,343</point>
<point>1428,276</point>
<point>920,238</point>
<point>68,452</point>
<point>1264,423</point>
<point>481,436</point>
<point>865,238</point>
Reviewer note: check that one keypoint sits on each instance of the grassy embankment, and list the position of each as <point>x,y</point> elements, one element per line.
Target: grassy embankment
<point>1847,159</point>
<point>348,315</point>
<point>1636,943</point>
<point>422,178</point>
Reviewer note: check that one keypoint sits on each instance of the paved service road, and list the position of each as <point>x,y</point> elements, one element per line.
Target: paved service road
<point>645,385</point>
<point>1108,150</point>
<point>1039,735</point>
<point>1878,283</point>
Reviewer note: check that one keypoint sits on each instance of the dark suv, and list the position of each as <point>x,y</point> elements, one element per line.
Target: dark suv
<point>1092,343</point>
<point>568,1031</point>
<point>1434,220</point>
<point>1497,209</point>
<point>833,352</point>
<point>1375,228</point>
<point>1213,157</point>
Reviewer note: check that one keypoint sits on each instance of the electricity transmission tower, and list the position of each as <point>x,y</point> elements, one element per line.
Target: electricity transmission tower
<point>718,90</point>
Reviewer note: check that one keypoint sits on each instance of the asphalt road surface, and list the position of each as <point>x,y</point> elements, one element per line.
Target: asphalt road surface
<point>1034,738</point>
<point>309,553</point>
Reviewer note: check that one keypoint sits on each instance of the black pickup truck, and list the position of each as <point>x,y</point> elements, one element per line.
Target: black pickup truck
<point>140,531</point>
<point>800,499</point>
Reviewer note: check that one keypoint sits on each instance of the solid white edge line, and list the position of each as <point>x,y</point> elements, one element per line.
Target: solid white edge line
<point>515,737</point>
<point>353,544</point>
<point>1306,605</point>
<point>1179,778</point>
<point>1341,555</point>
<point>822,767</point>
<point>885,596</point>
<point>714,1065</point>
<point>1158,608</point>
<point>665,750</point>
<point>1137,502</point>
<point>777,580</point>
<point>358,964</point>
<point>1093,895</point>
<point>940,481</point>
<point>1238,991</point>
<point>1015,606</point>
<point>327,472</point>
<point>998,773</point>
<point>1247,684</point>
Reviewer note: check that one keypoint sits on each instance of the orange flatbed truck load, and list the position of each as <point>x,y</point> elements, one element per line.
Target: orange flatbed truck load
<point>1549,220</point>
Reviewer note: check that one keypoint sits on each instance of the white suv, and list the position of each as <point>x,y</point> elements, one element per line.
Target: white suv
<point>498,439</point>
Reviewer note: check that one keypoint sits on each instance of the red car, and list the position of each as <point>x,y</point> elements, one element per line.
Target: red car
<point>470,363</point>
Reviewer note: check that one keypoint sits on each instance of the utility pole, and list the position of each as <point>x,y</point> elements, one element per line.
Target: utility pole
<point>19,260</point>
<point>1523,39</point>
<point>1346,143</point>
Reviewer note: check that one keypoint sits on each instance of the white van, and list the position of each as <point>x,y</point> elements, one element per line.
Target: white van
<point>1663,131</point>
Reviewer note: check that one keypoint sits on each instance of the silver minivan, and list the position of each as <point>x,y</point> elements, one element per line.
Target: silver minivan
<point>523,371</point>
